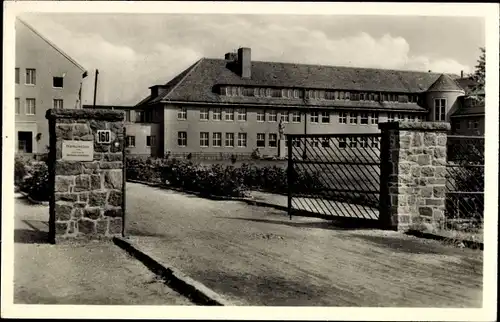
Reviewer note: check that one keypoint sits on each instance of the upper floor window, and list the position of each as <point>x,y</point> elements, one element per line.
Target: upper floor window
<point>139,116</point>
<point>242,140</point>
<point>272,116</point>
<point>390,117</point>
<point>285,117</point>
<point>17,106</point>
<point>242,114</point>
<point>204,139</point>
<point>296,117</point>
<point>57,82</point>
<point>127,116</point>
<point>296,93</point>
<point>30,106</point>
<point>181,138</point>
<point>374,118</point>
<point>182,113</point>
<point>229,114</point>
<point>261,116</point>
<point>217,114</point>
<point>364,118</point>
<point>58,103</point>
<point>30,76</point>
<point>343,118</point>
<point>16,76</point>
<point>325,117</point>
<point>439,109</point>
<point>217,139</point>
<point>150,140</point>
<point>353,118</point>
<point>204,114</point>
<point>314,117</point>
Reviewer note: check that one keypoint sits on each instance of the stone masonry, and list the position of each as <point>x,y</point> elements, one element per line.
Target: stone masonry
<point>88,196</point>
<point>413,175</point>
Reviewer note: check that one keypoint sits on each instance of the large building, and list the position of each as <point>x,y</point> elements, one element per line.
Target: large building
<point>234,105</point>
<point>45,78</point>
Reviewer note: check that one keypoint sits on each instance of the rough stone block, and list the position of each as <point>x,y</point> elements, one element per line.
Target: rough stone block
<point>438,215</point>
<point>405,141</point>
<point>77,213</point>
<point>64,131</point>
<point>115,198</point>
<point>98,156</point>
<point>82,183</point>
<point>86,227</point>
<point>72,229</point>
<point>429,139</point>
<point>412,200</point>
<point>95,182</point>
<point>415,172</point>
<point>68,168</point>
<point>62,183</point>
<point>96,125</point>
<point>80,204</point>
<point>439,192</point>
<point>113,212</point>
<point>437,181</point>
<point>440,152</point>
<point>116,145</point>
<point>97,198</point>
<point>115,226</point>
<point>111,165</point>
<point>417,140</point>
<point>425,211</point>
<point>428,171</point>
<point>440,172</point>
<point>439,162</point>
<point>113,179</point>
<point>434,202</point>
<point>92,213</point>
<point>426,192</point>
<point>102,227</point>
<point>61,228</point>
<point>83,197</point>
<point>442,139</point>
<point>404,168</point>
<point>102,148</point>
<point>63,211</point>
<point>111,157</point>
<point>81,129</point>
<point>66,197</point>
<point>424,159</point>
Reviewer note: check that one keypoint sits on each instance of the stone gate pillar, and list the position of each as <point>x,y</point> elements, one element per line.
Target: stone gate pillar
<point>413,174</point>
<point>86,174</point>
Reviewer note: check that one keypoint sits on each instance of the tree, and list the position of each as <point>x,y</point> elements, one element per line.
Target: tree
<point>480,69</point>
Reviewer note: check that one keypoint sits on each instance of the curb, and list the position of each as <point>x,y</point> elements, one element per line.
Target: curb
<point>197,292</point>
<point>36,202</point>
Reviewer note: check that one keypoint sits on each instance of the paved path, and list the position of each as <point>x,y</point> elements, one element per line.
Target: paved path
<point>97,273</point>
<point>257,256</point>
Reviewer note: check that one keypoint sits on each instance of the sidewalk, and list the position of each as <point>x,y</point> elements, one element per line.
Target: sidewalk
<point>98,273</point>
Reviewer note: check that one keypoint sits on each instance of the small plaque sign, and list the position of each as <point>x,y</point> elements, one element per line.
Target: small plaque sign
<point>78,150</point>
<point>103,136</point>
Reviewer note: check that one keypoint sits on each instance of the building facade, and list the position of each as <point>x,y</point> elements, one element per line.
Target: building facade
<point>45,78</point>
<point>234,105</point>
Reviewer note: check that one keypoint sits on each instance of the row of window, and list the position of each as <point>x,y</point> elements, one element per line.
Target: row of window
<point>229,139</point>
<point>317,94</point>
<point>30,78</point>
<point>472,124</point>
<point>30,105</point>
<point>150,141</point>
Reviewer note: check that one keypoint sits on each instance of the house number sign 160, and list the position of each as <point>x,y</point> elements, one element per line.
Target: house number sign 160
<point>103,136</point>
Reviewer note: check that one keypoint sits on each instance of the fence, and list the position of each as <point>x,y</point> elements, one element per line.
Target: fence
<point>464,210</point>
<point>343,172</point>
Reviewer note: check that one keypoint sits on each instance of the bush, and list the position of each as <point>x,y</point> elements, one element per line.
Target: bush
<point>36,183</point>
<point>20,170</point>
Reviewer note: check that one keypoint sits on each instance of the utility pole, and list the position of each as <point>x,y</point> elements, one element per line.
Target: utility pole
<point>95,86</point>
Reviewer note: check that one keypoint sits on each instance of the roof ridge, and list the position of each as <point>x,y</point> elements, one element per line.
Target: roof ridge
<point>340,66</point>
<point>51,44</point>
<point>193,67</point>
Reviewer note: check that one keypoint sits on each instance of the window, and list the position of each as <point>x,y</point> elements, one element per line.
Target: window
<point>57,82</point>
<point>17,105</point>
<point>341,95</point>
<point>204,114</point>
<point>342,143</point>
<point>273,140</point>
<point>343,118</point>
<point>30,76</point>
<point>234,91</point>
<point>242,140</point>
<point>325,117</point>
<point>242,114</point>
<point>261,116</point>
<point>473,124</point>
<point>127,116</point>
<point>314,117</point>
<point>229,114</point>
<point>261,140</point>
<point>182,113</point>
<point>296,117</point>
<point>325,142</point>
<point>363,142</point>
<point>364,118</point>
<point>25,141</point>
<point>217,114</point>
<point>268,92</point>
<point>30,106</point>
<point>130,141</point>
<point>217,139</point>
<point>285,117</point>
<point>272,116</point>
<point>456,125</point>
<point>390,117</point>
<point>353,118</point>
<point>203,139</point>
<point>439,109</point>
<point>229,140</point>
<point>375,142</point>
<point>181,138</point>
<point>150,140</point>
<point>353,142</point>
<point>296,93</point>
<point>16,76</point>
<point>374,118</point>
<point>139,116</point>
<point>58,103</point>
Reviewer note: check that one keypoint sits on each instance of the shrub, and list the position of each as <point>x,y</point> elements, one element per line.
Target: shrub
<point>36,183</point>
<point>20,170</point>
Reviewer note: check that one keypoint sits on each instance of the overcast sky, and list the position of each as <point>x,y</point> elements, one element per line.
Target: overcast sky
<point>135,51</point>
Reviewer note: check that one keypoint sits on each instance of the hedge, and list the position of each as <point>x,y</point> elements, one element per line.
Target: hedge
<point>32,177</point>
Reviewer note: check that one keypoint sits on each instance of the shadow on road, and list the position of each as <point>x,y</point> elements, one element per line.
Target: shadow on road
<point>339,224</point>
<point>28,236</point>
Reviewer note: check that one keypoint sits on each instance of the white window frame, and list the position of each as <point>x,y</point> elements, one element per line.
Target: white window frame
<point>56,101</point>
<point>182,113</point>
<point>285,116</point>
<point>17,106</point>
<point>390,117</point>
<point>152,140</point>
<point>314,117</point>
<point>204,139</point>
<point>272,116</point>
<point>242,114</point>
<point>130,140</point>
<point>342,142</point>
<point>204,114</point>
<point>242,140</point>
<point>296,117</point>
<point>229,114</point>
<point>273,140</point>
<point>353,116</point>
<point>343,116</point>
<point>325,117</point>
<point>364,119</point>
<point>31,77</point>
<point>217,112</point>
<point>261,138</point>
<point>30,110</point>
<point>53,79</point>
<point>229,140</point>
<point>217,139</point>
<point>182,138</point>
<point>261,116</point>
<point>374,118</point>
<point>440,115</point>
<point>363,142</point>
<point>17,75</point>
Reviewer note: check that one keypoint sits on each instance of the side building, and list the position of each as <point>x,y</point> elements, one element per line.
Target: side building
<point>234,105</point>
<point>45,78</point>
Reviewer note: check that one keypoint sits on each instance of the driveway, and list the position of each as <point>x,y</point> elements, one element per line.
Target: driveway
<point>255,255</point>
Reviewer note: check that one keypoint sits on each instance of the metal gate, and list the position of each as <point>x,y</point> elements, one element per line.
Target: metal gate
<point>464,206</point>
<point>334,175</point>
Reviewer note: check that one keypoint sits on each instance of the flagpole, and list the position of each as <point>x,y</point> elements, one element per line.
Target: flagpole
<point>95,86</point>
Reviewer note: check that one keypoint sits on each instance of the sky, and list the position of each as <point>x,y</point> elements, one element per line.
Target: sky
<point>135,51</point>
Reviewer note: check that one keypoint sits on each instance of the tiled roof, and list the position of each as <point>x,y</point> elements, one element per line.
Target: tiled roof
<point>444,83</point>
<point>196,84</point>
<point>109,107</point>
<point>469,107</point>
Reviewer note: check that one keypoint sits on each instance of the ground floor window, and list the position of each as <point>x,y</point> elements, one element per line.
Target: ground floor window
<point>130,141</point>
<point>261,140</point>
<point>151,140</point>
<point>273,140</point>
<point>25,142</point>
<point>217,139</point>
<point>203,139</point>
<point>181,138</point>
<point>229,140</point>
<point>242,140</point>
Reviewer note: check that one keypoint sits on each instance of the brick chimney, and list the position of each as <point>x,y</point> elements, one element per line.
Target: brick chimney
<point>245,62</point>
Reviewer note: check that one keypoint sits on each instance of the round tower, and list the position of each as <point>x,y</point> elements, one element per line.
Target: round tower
<point>442,98</point>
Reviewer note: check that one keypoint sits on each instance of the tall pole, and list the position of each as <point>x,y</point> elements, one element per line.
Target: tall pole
<point>95,85</point>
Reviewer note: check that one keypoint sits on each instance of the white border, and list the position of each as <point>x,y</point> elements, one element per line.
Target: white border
<point>487,313</point>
